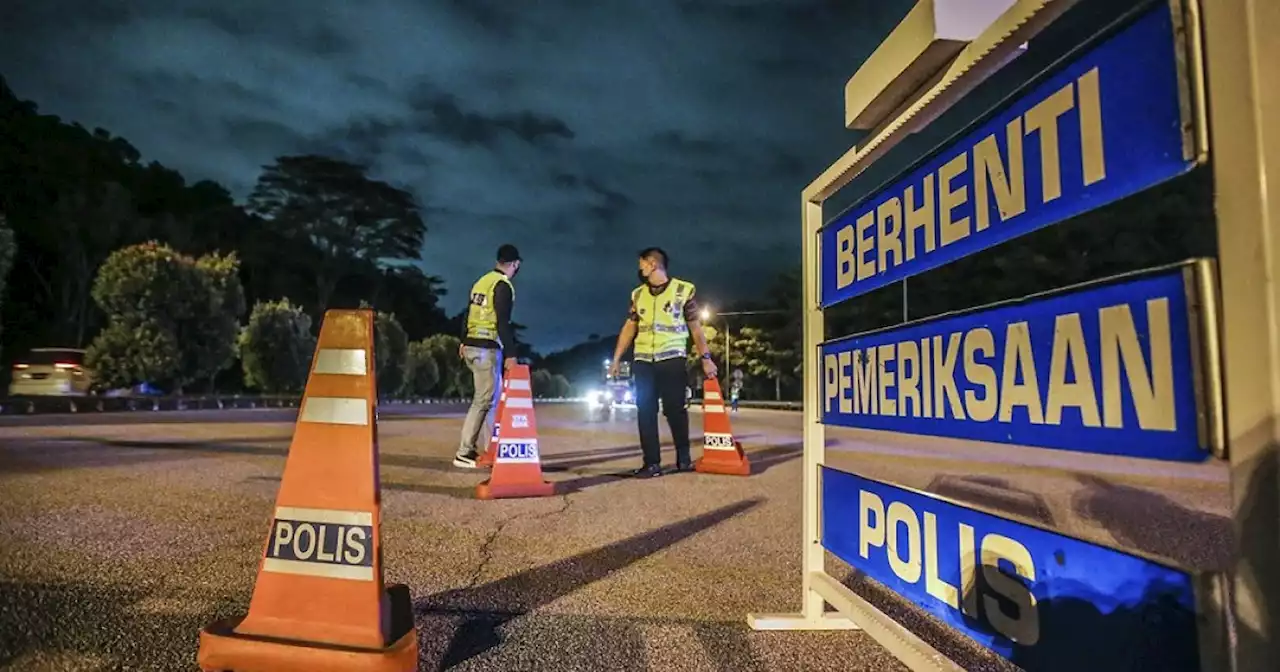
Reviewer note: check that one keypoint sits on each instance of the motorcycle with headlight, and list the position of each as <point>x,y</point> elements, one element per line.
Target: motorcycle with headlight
<point>618,393</point>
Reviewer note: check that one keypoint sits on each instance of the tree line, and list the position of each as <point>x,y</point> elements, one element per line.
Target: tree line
<point>172,283</point>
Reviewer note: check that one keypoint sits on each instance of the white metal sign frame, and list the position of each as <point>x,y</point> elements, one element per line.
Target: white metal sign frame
<point>1241,55</point>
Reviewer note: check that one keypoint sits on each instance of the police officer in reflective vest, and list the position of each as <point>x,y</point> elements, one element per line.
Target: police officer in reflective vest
<point>488,347</point>
<point>663,314</point>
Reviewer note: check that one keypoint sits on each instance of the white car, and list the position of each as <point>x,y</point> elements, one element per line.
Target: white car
<point>51,372</point>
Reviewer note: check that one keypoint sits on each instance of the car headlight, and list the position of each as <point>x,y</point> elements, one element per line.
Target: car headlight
<point>627,396</point>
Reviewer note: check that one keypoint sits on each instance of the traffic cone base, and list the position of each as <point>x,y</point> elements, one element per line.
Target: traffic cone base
<point>223,649</point>
<point>726,463</point>
<point>721,453</point>
<point>487,490</point>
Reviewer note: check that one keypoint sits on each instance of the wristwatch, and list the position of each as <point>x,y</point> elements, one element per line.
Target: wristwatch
<point>706,355</point>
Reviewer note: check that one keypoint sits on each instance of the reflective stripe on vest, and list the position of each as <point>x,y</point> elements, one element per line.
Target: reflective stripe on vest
<point>482,319</point>
<point>662,332</point>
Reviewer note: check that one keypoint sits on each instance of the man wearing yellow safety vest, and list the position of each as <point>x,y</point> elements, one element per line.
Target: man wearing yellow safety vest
<point>663,314</point>
<point>488,347</point>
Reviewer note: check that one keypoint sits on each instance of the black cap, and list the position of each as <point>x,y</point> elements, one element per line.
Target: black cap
<point>507,254</point>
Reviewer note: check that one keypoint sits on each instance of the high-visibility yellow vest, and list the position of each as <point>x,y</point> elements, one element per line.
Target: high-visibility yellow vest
<point>482,319</point>
<point>662,331</point>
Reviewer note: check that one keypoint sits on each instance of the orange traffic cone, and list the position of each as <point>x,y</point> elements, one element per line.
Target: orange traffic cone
<point>486,460</point>
<point>319,603</point>
<point>517,467</point>
<point>721,453</point>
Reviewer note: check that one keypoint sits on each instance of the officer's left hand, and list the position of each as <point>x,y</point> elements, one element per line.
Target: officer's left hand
<point>709,368</point>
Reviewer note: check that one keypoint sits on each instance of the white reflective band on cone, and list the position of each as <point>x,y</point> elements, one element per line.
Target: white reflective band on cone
<point>350,572</point>
<point>330,516</point>
<point>335,410</point>
<point>342,362</point>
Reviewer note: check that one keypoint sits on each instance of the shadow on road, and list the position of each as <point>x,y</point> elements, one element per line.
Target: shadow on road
<point>454,491</point>
<point>553,462</point>
<point>108,624</point>
<point>488,607</point>
<point>761,460</point>
<point>563,487</point>
<point>995,494</point>
<point>767,458</point>
<point>1155,524</point>
<point>86,452</point>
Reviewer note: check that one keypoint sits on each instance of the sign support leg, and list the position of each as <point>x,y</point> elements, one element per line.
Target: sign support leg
<point>1243,63</point>
<point>812,615</point>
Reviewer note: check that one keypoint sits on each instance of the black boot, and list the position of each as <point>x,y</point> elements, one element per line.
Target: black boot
<point>648,471</point>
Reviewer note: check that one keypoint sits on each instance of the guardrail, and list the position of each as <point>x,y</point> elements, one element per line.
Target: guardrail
<point>40,405</point>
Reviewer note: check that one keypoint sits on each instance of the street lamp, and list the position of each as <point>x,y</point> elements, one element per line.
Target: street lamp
<point>706,314</point>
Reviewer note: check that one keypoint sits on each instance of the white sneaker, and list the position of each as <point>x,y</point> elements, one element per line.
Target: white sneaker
<point>464,461</point>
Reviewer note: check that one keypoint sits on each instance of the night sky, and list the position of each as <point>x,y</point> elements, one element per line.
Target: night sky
<point>580,130</point>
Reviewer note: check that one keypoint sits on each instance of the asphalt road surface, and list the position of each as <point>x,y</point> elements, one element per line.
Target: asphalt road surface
<point>122,535</point>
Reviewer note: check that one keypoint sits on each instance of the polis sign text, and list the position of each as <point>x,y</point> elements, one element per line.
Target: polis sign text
<point>1041,599</point>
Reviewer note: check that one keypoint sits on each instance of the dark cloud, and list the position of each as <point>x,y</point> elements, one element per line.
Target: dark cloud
<point>442,115</point>
<point>678,142</point>
<point>494,16</point>
<point>609,204</point>
<point>580,131</point>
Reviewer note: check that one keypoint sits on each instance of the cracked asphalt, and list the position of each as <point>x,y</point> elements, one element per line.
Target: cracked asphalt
<point>122,535</point>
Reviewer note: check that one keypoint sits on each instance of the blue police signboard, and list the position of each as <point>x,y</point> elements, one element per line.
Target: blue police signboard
<point>1106,126</point>
<point>1042,600</point>
<point>1110,367</point>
